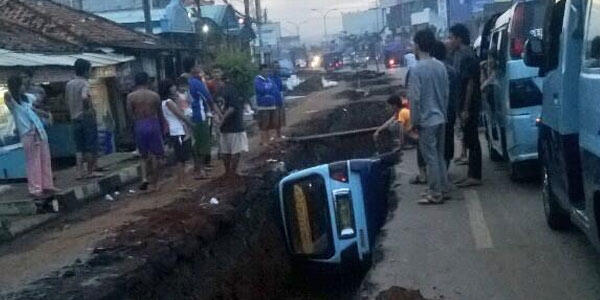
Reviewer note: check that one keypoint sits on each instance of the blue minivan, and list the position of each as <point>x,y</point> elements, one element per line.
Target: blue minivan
<point>331,213</point>
<point>513,97</point>
<point>568,56</point>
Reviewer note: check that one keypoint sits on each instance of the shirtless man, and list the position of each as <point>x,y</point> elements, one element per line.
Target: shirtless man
<point>144,107</point>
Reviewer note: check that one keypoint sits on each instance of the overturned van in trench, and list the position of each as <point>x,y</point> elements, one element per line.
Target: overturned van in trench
<point>331,213</point>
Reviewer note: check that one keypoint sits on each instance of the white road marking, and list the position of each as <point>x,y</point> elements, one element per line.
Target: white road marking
<point>479,229</point>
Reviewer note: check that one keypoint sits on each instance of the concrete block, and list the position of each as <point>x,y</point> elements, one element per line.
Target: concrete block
<point>13,227</point>
<point>23,225</point>
<point>91,191</point>
<point>71,199</point>
<point>131,174</point>
<point>18,207</point>
<point>109,183</point>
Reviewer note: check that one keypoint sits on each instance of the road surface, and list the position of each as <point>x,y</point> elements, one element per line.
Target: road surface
<point>489,242</point>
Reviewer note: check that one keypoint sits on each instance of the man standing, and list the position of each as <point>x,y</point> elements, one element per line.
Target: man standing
<point>279,100</point>
<point>266,102</point>
<point>428,91</point>
<point>467,65</point>
<point>440,53</point>
<point>233,140</point>
<point>83,115</point>
<point>144,107</point>
<point>201,102</point>
<point>33,89</point>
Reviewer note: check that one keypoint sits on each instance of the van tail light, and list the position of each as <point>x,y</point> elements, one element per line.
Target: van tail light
<point>517,47</point>
<point>339,171</point>
<point>344,214</point>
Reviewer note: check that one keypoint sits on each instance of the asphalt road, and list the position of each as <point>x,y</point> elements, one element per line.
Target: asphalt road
<point>489,242</point>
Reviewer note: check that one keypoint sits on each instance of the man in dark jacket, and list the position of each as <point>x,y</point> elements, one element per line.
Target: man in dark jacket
<point>467,64</point>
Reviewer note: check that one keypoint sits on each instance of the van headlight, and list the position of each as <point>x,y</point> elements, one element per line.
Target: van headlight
<point>344,214</point>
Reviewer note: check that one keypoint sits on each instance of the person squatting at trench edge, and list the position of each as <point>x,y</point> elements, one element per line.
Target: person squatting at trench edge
<point>144,107</point>
<point>399,122</point>
<point>429,92</point>
<point>33,136</point>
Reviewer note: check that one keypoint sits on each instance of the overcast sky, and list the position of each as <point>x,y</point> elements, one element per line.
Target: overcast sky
<point>299,11</point>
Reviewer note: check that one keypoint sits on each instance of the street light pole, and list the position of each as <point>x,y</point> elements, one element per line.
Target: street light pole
<point>297,25</point>
<point>325,19</point>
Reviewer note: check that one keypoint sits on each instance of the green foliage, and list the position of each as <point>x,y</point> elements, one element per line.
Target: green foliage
<point>238,66</point>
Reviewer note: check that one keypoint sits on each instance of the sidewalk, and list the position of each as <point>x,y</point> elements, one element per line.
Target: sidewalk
<point>20,213</point>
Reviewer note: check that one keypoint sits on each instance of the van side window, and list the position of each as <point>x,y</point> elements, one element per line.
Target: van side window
<point>592,40</point>
<point>552,32</point>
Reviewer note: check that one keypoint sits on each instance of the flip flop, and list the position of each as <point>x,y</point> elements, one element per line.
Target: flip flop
<point>430,200</point>
<point>469,182</point>
<point>144,186</point>
<point>417,180</point>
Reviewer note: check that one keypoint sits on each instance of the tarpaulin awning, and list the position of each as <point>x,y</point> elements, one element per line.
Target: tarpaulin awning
<point>14,59</point>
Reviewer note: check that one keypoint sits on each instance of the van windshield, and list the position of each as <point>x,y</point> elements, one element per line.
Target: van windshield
<point>307,217</point>
<point>527,21</point>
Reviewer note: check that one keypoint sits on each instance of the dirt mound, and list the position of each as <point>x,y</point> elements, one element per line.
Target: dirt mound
<point>351,94</point>
<point>368,74</point>
<point>386,90</point>
<point>399,293</point>
<point>370,82</point>
<point>311,84</point>
<point>355,115</point>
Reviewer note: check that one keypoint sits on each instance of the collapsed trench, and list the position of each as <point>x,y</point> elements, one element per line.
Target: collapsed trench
<point>233,251</point>
<point>254,250</point>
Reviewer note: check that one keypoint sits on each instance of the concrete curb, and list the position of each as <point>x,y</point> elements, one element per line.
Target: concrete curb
<point>76,197</point>
<point>69,200</point>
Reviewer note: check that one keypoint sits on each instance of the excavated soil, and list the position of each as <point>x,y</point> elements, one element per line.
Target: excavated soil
<point>355,115</point>
<point>399,293</point>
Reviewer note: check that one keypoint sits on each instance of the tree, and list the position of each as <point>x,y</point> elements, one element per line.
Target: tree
<point>238,65</point>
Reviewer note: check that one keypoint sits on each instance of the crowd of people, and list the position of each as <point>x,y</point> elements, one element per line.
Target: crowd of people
<point>443,90</point>
<point>183,114</point>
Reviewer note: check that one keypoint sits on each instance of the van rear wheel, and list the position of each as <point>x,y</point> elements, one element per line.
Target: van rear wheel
<point>556,217</point>
<point>494,156</point>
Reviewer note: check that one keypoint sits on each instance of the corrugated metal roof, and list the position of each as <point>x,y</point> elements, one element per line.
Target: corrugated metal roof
<point>13,59</point>
<point>132,16</point>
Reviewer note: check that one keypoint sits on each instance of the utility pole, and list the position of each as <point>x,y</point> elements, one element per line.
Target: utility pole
<point>247,10</point>
<point>147,16</point>
<point>259,28</point>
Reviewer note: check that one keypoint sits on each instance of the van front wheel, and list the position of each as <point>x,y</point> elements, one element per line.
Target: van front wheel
<point>556,217</point>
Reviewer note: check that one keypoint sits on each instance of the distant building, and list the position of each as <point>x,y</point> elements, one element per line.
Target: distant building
<point>368,21</point>
<point>460,11</point>
<point>290,42</point>
<point>112,5</point>
<point>269,38</point>
<point>47,38</point>
<point>428,18</point>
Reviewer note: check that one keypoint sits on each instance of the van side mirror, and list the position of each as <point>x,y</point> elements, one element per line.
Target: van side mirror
<point>534,52</point>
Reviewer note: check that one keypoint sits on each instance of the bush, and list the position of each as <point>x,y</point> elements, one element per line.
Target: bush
<point>238,65</point>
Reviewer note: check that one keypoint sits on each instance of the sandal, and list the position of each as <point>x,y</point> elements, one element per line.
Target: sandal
<point>417,180</point>
<point>431,200</point>
<point>144,186</point>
